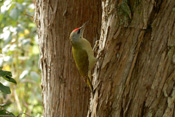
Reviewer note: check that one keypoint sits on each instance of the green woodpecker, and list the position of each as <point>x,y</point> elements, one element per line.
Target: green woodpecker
<point>82,54</point>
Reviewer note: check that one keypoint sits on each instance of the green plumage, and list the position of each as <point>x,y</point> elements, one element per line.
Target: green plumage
<point>83,54</point>
<point>81,60</point>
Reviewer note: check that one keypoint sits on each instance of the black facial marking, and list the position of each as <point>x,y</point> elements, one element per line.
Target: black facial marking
<point>78,31</point>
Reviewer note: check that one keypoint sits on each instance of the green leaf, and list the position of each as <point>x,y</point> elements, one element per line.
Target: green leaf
<point>1,17</point>
<point>5,112</point>
<point>7,76</point>
<point>20,6</point>
<point>26,41</point>
<point>32,25</point>
<point>5,73</point>
<point>10,79</point>
<point>14,13</point>
<point>35,76</point>
<point>8,39</point>
<point>4,89</point>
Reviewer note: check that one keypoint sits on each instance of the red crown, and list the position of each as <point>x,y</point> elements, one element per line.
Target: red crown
<point>75,29</point>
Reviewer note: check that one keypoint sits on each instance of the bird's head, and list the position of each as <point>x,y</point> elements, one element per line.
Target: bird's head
<point>77,33</point>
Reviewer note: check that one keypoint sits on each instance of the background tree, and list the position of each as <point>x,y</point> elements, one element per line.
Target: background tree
<point>135,72</point>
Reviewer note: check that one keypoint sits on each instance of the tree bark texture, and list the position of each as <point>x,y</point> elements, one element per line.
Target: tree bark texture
<point>65,94</point>
<point>135,72</point>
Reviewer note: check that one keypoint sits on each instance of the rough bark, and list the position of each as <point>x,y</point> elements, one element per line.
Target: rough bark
<point>135,73</point>
<point>65,94</point>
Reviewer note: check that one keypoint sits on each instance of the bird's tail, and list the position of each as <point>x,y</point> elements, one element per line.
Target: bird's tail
<point>90,84</point>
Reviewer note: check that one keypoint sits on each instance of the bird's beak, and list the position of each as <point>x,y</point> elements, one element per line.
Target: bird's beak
<point>83,27</point>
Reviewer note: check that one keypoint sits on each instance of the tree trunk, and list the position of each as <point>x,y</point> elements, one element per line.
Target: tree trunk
<point>65,94</point>
<point>135,72</point>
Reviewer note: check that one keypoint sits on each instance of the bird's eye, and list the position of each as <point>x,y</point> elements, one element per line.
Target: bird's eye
<point>78,31</point>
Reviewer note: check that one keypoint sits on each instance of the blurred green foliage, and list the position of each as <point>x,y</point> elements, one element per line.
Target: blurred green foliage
<point>19,54</point>
<point>6,75</point>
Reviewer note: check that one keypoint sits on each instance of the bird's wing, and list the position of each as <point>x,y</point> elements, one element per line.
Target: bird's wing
<point>88,48</point>
<point>82,63</point>
<point>81,60</point>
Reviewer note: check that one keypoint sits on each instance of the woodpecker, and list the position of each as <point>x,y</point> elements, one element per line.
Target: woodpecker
<point>83,54</point>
